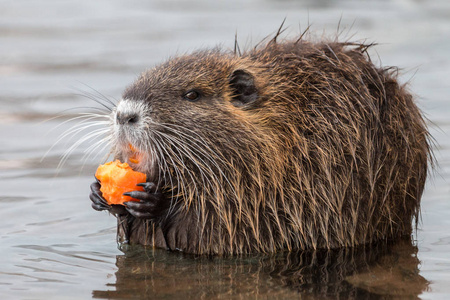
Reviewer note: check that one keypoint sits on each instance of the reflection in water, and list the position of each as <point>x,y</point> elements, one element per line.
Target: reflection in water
<point>382,270</point>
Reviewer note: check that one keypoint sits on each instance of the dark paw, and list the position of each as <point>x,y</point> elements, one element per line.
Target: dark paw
<point>99,203</point>
<point>151,205</point>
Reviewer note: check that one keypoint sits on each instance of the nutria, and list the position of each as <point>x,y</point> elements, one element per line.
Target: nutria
<point>290,145</point>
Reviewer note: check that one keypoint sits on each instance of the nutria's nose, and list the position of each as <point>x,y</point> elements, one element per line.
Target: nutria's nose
<point>127,118</point>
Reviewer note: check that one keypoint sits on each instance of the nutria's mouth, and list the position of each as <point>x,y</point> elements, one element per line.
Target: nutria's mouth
<point>134,156</point>
<point>142,162</point>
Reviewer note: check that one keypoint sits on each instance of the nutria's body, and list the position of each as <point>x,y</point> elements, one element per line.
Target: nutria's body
<point>293,145</point>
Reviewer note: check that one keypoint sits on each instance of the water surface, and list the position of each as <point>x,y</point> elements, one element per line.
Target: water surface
<point>54,246</point>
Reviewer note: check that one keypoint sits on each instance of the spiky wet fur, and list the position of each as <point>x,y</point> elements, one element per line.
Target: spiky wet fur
<point>333,153</point>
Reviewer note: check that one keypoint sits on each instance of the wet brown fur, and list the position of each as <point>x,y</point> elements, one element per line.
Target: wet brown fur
<point>333,153</point>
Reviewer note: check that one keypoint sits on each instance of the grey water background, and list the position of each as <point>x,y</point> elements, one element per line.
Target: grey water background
<point>54,246</point>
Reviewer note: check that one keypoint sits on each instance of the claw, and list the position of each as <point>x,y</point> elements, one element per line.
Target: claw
<point>99,207</point>
<point>144,196</point>
<point>149,187</point>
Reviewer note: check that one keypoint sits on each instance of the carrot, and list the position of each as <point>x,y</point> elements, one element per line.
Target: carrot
<point>117,178</point>
<point>134,158</point>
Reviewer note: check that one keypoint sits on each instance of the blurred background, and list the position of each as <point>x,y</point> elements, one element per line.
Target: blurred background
<point>55,55</point>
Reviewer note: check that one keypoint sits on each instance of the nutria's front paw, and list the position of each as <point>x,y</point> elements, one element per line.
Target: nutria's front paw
<point>99,203</point>
<point>151,205</point>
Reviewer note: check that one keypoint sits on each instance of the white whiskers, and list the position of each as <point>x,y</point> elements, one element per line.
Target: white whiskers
<point>90,128</point>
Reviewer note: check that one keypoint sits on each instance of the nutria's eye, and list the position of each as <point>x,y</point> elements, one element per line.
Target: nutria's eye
<point>192,96</point>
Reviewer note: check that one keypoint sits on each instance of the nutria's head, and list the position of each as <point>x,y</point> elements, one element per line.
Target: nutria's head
<point>190,124</point>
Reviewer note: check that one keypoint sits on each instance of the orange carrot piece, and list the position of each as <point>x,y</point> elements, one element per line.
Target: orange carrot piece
<point>117,178</point>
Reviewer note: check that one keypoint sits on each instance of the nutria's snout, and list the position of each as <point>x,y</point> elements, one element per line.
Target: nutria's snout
<point>127,118</point>
<point>131,137</point>
<point>129,113</point>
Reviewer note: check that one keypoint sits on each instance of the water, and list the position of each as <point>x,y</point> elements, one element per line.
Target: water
<point>54,246</point>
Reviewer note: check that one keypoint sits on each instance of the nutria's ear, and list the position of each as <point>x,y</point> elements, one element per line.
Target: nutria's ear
<point>243,87</point>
